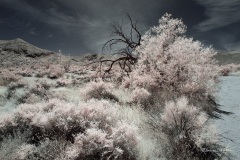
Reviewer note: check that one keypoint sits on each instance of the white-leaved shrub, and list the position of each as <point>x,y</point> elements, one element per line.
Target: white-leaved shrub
<point>140,95</point>
<point>184,125</point>
<point>92,127</point>
<point>99,90</point>
<point>169,62</point>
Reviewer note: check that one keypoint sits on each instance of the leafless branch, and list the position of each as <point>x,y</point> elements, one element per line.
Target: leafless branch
<point>126,59</point>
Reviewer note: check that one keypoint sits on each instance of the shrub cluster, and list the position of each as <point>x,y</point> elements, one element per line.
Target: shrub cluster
<point>171,66</point>
<point>7,77</point>
<point>184,125</point>
<point>174,78</point>
<point>91,127</point>
<point>226,69</point>
<point>99,90</point>
<point>56,71</point>
<point>169,62</point>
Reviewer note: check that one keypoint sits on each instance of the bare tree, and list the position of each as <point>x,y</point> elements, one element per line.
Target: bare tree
<point>125,58</point>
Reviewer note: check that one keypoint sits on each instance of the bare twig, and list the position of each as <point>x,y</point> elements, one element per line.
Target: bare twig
<point>126,59</point>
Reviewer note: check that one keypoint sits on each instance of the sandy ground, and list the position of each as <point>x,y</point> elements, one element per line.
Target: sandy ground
<point>229,126</point>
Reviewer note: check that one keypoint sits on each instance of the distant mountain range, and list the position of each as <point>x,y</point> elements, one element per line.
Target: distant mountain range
<point>19,52</point>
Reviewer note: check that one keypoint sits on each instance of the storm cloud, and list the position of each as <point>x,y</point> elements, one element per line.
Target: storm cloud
<point>81,26</point>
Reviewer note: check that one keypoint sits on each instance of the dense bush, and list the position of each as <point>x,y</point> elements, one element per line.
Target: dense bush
<point>63,82</point>
<point>170,66</point>
<point>10,145</point>
<point>25,72</point>
<point>226,69</point>
<point>169,62</point>
<point>184,126</point>
<point>7,77</point>
<point>56,71</point>
<point>174,78</point>
<point>13,86</point>
<point>99,90</point>
<point>91,127</point>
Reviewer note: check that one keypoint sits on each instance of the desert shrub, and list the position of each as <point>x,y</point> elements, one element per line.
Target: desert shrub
<point>63,82</point>
<point>99,90</point>
<point>35,92</point>
<point>226,69</point>
<point>64,61</point>
<point>46,85</point>
<point>90,126</point>
<point>67,63</point>
<point>90,57</point>
<point>2,100</point>
<point>29,98</point>
<point>11,143</point>
<point>25,72</point>
<point>7,77</point>
<point>13,86</point>
<point>55,71</point>
<point>116,73</point>
<point>185,128</point>
<point>140,95</point>
<point>17,84</point>
<point>77,69</point>
<point>24,151</point>
<point>170,62</point>
<point>40,73</point>
<point>15,146</point>
<point>47,150</point>
<point>95,144</point>
<point>38,89</point>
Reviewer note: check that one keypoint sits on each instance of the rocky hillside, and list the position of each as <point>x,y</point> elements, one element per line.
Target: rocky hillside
<point>227,57</point>
<point>19,46</point>
<point>18,52</point>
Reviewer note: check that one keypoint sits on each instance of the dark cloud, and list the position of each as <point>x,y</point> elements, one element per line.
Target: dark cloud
<point>80,26</point>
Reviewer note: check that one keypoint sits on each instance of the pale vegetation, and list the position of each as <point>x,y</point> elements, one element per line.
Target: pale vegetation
<point>161,108</point>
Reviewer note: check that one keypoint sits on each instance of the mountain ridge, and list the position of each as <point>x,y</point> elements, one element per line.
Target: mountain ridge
<point>19,46</point>
<point>18,52</point>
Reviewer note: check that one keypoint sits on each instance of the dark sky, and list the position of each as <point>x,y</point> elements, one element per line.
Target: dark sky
<point>82,26</point>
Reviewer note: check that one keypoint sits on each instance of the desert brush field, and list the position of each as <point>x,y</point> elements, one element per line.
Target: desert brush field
<point>167,104</point>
